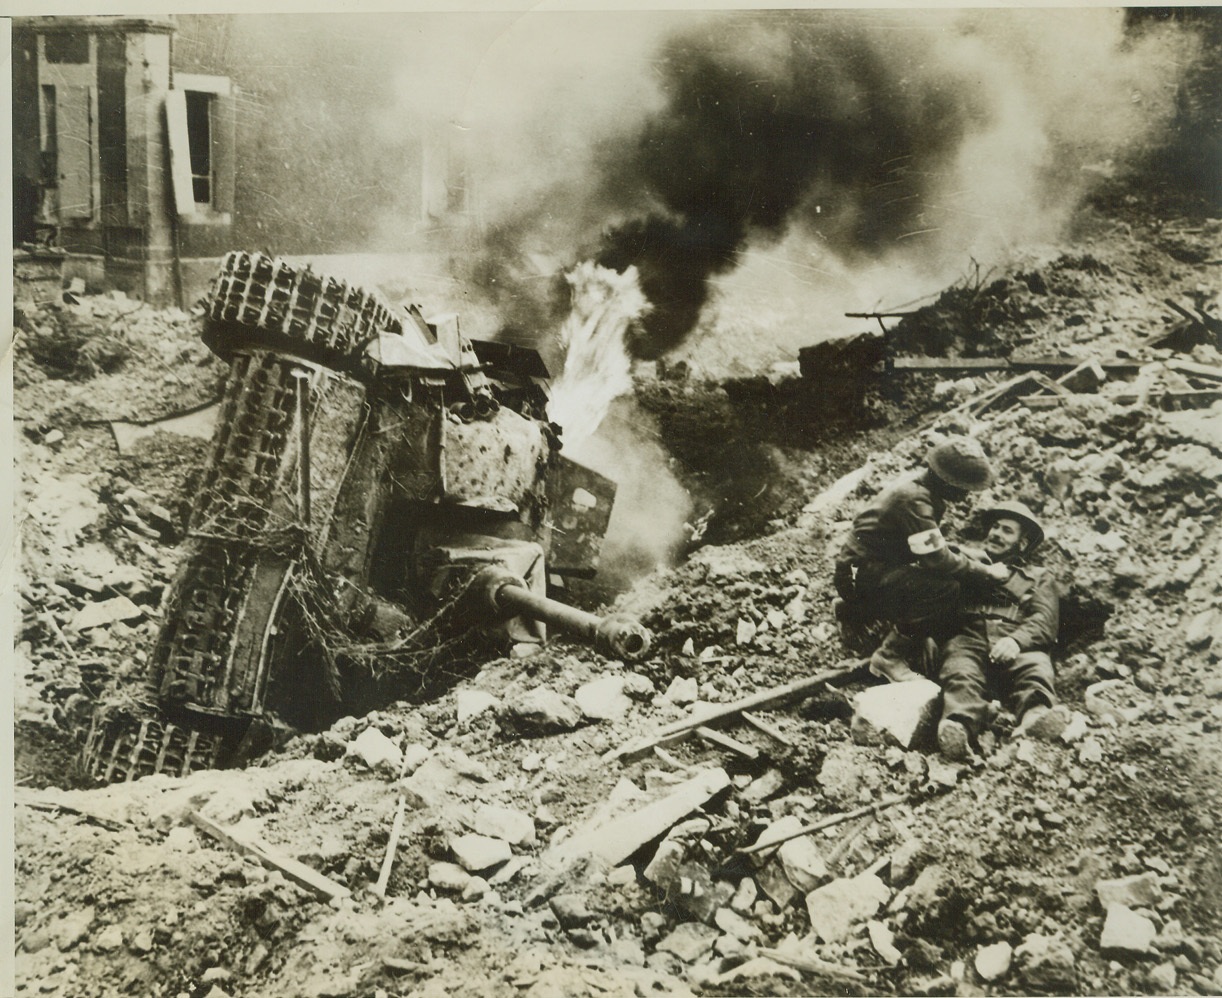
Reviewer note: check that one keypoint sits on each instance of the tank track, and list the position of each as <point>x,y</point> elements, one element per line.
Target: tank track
<point>261,292</point>
<point>124,746</point>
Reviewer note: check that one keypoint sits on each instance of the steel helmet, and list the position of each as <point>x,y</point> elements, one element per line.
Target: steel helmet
<point>961,462</point>
<point>1012,510</point>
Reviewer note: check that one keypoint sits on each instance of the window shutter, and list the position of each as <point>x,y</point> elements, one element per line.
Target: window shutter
<point>74,142</point>
<point>224,145</point>
<point>180,152</point>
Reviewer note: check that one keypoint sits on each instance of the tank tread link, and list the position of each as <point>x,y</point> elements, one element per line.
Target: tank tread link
<point>262,292</point>
<point>123,746</point>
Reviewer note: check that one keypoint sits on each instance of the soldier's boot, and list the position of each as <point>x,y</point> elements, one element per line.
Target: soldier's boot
<point>954,741</point>
<point>893,659</point>
<point>1042,722</point>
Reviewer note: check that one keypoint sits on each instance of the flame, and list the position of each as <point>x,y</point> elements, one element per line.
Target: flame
<point>597,366</point>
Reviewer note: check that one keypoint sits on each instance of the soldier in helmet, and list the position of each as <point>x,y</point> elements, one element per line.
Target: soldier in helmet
<point>1007,633</point>
<point>897,567</point>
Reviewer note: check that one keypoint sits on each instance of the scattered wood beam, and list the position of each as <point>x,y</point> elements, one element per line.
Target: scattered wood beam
<point>767,842</point>
<point>294,870</point>
<point>800,688</point>
<point>760,724</point>
<point>722,740</point>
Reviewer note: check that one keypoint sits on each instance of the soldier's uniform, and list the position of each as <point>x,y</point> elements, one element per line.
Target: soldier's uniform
<point>1026,609</point>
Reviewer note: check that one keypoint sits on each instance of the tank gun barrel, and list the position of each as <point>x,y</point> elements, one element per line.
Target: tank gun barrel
<point>507,595</point>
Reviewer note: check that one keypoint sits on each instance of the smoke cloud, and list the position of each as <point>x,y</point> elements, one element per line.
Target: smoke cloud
<point>843,140</point>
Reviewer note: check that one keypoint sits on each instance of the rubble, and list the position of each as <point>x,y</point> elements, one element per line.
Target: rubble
<point>836,907</point>
<point>1125,932</point>
<point>903,713</point>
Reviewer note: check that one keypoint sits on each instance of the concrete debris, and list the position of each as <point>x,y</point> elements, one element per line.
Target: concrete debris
<point>993,962</point>
<point>730,921</point>
<point>800,859</point>
<point>1046,964</point>
<point>477,853</point>
<point>604,698</point>
<point>1126,933</point>
<point>542,711</point>
<point>682,691</point>
<point>615,840</point>
<point>745,632</point>
<point>105,613</point>
<point>773,882</point>
<point>471,703</point>
<point>908,859</point>
<point>1077,728</point>
<point>1138,891</point>
<point>836,907</point>
<point>903,713</point>
<point>1163,977</point>
<point>745,896</point>
<point>505,823</point>
<point>448,876</point>
<point>663,869</point>
<point>376,751</point>
<point>689,941</point>
<point>1204,630</point>
<point>883,941</point>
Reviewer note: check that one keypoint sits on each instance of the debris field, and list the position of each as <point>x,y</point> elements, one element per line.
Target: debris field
<point>743,812</point>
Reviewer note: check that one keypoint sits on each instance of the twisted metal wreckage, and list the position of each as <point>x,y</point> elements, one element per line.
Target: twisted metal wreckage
<point>379,487</point>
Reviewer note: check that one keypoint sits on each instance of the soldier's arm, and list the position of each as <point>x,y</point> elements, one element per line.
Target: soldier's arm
<point>931,551</point>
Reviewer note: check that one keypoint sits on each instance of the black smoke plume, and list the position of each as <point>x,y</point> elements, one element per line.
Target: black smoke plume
<point>773,121</point>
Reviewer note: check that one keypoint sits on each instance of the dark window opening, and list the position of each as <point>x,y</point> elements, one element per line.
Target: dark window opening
<point>199,137</point>
<point>49,149</point>
<point>67,48</point>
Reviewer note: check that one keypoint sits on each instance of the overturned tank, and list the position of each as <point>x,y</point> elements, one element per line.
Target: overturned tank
<point>379,489</point>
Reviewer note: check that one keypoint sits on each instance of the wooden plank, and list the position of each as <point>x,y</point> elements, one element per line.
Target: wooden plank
<point>835,819</point>
<point>800,688</point>
<point>1194,399</point>
<point>722,740</point>
<point>810,964</point>
<point>950,364</point>
<point>300,874</point>
<point>760,724</point>
<point>615,840</point>
<point>1086,377</point>
<point>48,804</point>
<point>1193,370</point>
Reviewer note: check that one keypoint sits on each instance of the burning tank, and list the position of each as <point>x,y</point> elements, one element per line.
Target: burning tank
<point>379,489</point>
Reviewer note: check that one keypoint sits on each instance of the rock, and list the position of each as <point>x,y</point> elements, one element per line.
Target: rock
<point>542,711</point>
<point>883,941</point>
<point>1139,891</point>
<point>682,690</point>
<point>216,991</point>
<point>730,921</point>
<point>1076,729</point>
<point>802,863</point>
<point>72,928</point>
<point>700,896</point>
<point>638,687</point>
<point>448,876</point>
<point>1126,933</point>
<point>514,827</point>
<point>744,634</point>
<point>689,941</point>
<point>375,750</point>
<point>903,713</point>
<point>1204,629</point>
<point>476,853</point>
<point>763,787</point>
<point>570,910</point>
<point>1089,752</point>
<point>105,613</point>
<point>1213,688</point>
<point>663,869</point>
<point>745,896</point>
<point>603,699</point>
<point>472,703</point>
<point>1163,976</point>
<point>836,907</point>
<point>110,938</point>
<point>653,924</point>
<point>1046,964</point>
<point>415,755</point>
<point>216,974</point>
<point>993,962</point>
<point>622,876</point>
<point>141,942</point>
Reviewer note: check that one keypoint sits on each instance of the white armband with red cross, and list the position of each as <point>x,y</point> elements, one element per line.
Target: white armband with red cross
<point>926,542</point>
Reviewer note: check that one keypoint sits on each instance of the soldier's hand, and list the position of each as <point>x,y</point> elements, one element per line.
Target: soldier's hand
<point>998,572</point>
<point>1004,651</point>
